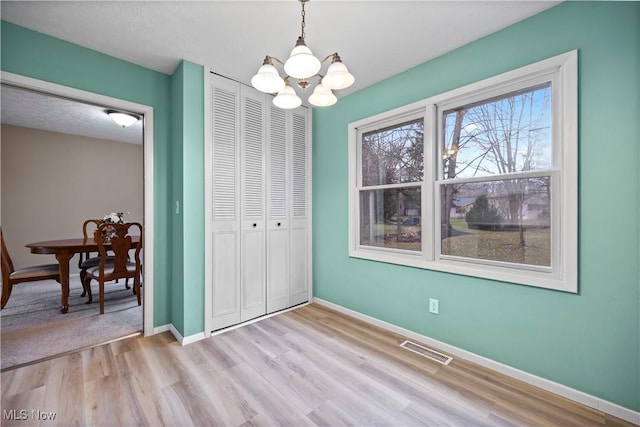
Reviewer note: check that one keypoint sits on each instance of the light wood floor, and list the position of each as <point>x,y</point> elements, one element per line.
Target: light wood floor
<point>309,366</point>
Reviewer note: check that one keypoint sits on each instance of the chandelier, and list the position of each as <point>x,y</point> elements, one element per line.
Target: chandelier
<point>303,67</point>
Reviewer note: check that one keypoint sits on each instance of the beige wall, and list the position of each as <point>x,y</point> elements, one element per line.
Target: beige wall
<point>52,182</point>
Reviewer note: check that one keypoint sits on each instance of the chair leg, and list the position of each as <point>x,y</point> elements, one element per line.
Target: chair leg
<point>136,289</point>
<point>83,273</point>
<point>86,286</point>
<point>6,292</point>
<point>101,286</point>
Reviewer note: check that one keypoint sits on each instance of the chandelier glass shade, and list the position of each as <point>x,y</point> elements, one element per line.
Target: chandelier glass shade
<point>322,96</point>
<point>268,80</point>
<point>303,66</point>
<point>301,63</point>
<point>338,77</point>
<point>287,98</point>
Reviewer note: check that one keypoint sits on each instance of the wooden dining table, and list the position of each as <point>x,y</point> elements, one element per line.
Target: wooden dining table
<point>64,250</point>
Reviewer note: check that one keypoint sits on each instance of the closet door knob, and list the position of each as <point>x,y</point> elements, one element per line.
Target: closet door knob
<point>255,225</point>
<point>278,224</point>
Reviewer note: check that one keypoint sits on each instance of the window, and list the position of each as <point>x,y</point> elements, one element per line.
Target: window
<point>391,171</point>
<point>480,181</point>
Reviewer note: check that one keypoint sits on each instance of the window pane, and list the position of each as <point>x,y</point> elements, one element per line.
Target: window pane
<point>391,218</point>
<point>507,220</point>
<point>393,155</point>
<point>510,133</point>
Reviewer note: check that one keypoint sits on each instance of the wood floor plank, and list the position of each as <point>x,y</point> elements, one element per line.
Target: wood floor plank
<point>222,395</point>
<point>141,392</point>
<point>21,407</point>
<point>265,399</point>
<point>273,365</point>
<point>309,366</point>
<point>328,414</point>
<point>24,379</point>
<point>105,403</point>
<point>95,363</point>
<point>66,372</point>
<point>155,350</point>
<point>346,376</point>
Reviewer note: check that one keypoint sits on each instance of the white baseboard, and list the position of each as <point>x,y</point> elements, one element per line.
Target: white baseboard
<point>186,340</point>
<point>545,384</point>
<point>161,329</point>
<point>177,335</point>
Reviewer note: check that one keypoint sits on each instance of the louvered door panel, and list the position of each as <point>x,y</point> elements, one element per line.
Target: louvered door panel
<point>225,144</point>
<point>299,163</point>
<point>253,156</point>
<point>277,163</point>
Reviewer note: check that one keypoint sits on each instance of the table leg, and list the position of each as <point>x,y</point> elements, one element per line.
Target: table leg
<point>63,260</point>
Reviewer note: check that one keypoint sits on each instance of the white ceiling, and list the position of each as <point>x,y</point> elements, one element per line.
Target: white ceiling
<point>36,110</point>
<point>375,39</point>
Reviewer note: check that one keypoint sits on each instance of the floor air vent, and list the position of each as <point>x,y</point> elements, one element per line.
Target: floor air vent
<point>427,352</point>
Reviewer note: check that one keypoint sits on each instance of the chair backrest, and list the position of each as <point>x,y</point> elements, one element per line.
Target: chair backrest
<point>88,229</point>
<point>85,227</point>
<point>118,238</point>
<point>7,264</point>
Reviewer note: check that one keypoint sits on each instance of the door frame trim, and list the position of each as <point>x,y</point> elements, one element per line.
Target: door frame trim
<point>148,190</point>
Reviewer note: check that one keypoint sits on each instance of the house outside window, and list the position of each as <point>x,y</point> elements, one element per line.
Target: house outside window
<point>480,181</point>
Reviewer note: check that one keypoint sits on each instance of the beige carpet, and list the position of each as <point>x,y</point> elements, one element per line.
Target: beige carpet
<point>32,327</point>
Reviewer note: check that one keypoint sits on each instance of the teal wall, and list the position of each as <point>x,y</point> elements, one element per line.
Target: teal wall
<point>35,55</point>
<point>177,230</point>
<point>563,337</point>
<point>187,94</point>
<point>193,199</point>
<point>589,341</point>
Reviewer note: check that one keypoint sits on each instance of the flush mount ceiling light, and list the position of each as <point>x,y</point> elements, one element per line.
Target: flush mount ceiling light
<point>303,66</point>
<point>123,119</point>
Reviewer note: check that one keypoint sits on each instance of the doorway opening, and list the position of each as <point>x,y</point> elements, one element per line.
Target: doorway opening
<point>79,202</point>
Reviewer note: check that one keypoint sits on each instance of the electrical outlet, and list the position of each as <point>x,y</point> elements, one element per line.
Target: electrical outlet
<point>433,305</point>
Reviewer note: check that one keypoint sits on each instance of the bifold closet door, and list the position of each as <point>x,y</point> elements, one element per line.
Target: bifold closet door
<point>278,210</point>
<point>225,213</point>
<point>253,245</point>
<point>288,208</point>
<point>299,208</point>
<point>259,221</point>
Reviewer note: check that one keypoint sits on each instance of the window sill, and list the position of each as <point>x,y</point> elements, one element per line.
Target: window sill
<point>522,276</point>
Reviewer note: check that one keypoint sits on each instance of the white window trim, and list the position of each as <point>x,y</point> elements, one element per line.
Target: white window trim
<point>563,273</point>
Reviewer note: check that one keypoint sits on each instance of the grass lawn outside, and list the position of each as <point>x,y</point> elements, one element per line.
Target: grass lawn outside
<point>499,245</point>
<point>479,244</point>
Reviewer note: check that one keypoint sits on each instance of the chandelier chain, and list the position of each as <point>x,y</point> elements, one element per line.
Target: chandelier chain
<point>303,22</point>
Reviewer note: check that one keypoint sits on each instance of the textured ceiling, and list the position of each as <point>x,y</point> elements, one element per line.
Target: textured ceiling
<point>41,111</point>
<point>376,39</point>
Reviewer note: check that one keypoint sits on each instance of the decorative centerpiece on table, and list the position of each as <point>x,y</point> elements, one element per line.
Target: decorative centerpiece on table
<point>112,218</point>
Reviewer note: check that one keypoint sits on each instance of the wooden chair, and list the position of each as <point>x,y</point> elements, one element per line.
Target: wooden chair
<point>11,276</point>
<point>87,259</point>
<point>121,267</point>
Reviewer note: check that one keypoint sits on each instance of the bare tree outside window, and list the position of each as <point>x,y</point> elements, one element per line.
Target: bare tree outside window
<point>492,139</point>
<point>390,214</point>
